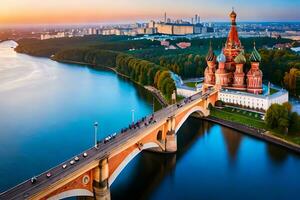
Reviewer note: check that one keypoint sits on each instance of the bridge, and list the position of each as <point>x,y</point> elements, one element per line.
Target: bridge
<point>97,168</point>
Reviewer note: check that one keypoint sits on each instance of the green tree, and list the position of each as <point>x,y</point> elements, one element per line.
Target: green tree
<point>277,116</point>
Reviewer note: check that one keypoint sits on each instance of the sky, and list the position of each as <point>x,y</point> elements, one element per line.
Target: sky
<point>113,11</point>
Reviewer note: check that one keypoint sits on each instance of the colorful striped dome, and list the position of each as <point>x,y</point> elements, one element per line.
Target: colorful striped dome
<point>240,59</point>
<point>210,55</point>
<point>255,56</point>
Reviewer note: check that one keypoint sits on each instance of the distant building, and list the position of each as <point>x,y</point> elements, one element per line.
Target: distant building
<point>183,45</point>
<point>52,36</point>
<point>164,43</point>
<point>171,47</point>
<point>180,27</point>
<point>145,31</point>
<point>283,46</point>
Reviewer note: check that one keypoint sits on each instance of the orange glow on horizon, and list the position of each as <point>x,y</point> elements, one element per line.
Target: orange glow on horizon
<point>80,11</point>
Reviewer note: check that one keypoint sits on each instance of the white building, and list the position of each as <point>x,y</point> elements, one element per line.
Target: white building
<point>252,101</point>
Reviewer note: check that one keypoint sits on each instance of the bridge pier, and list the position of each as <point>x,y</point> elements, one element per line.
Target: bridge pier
<point>100,182</point>
<point>171,142</point>
<point>171,137</point>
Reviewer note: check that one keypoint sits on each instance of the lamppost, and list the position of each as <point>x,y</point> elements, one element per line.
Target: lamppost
<point>153,110</point>
<point>96,129</point>
<point>132,115</point>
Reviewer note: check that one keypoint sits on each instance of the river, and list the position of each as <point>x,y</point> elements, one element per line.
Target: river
<point>47,110</point>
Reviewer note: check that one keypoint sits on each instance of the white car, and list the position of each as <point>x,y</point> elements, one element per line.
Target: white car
<point>76,158</point>
<point>84,154</point>
<point>49,175</point>
<point>72,162</point>
<point>64,166</point>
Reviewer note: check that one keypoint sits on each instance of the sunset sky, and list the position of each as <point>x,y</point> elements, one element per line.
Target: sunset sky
<point>106,11</point>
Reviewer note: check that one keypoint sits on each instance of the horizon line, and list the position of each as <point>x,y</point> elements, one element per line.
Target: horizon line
<point>131,22</point>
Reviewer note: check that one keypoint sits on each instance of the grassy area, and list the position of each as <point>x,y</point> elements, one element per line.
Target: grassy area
<point>191,84</point>
<point>238,118</point>
<point>250,120</point>
<point>179,98</point>
<point>243,113</point>
<point>273,91</point>
<point>289,137</point>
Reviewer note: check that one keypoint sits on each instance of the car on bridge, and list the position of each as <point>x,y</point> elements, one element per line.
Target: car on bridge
<point>33,179</point>
<point>49,175</point>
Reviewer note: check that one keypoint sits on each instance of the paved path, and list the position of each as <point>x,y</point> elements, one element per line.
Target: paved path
<point>158,95</point>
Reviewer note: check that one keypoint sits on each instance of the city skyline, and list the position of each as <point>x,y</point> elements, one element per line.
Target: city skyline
<point>120,11</point>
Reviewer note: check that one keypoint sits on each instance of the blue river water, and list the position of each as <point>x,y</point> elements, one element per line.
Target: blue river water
<point>47,111</point>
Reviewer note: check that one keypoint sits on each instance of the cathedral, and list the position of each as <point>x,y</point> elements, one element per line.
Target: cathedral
<point>227,69</point>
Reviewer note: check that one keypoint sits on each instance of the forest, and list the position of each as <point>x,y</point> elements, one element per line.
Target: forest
<point>146,73</point>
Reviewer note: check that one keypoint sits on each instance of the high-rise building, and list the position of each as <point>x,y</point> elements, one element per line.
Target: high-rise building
<point>165,18</point>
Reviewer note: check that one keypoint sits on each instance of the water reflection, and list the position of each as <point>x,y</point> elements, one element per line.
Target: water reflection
<point>277,155</point>
<point>232,141</point>
<point>212,162</point>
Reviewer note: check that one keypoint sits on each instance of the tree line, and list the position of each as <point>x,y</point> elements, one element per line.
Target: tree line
<point>146,73</point>
<point>292,81</point>
<point>282,118</point>
<point>94,57</point>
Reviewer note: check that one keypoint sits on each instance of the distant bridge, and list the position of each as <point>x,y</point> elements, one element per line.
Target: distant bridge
<point>93,175</point>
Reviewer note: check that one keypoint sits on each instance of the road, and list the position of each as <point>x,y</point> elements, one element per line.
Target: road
<point>27,188</point>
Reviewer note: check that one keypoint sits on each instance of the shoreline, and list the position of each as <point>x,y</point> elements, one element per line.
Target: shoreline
<point>254,132</point>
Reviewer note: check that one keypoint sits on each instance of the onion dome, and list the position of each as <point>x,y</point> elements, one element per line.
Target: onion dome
<point>255,56</point>
<point>221,58</point>
<point>210,55</point>
<point>240,59</point>
<point>233,14</point>
<point>233,17</point>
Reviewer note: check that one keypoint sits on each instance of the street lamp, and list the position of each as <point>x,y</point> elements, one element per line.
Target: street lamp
<point>132,115</point>
<point>96,129</point>
<point>153,109</point>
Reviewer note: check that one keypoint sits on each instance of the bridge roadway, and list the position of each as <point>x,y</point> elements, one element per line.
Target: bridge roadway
<point>27,189</point>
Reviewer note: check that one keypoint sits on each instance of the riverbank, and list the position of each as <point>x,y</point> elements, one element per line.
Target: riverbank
<point>255,132</point>
<point>155,92</point>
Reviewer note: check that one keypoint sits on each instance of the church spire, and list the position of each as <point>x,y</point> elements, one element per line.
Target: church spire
<point>233,38</point>
<point>210,55</point>
<point>233,17</point>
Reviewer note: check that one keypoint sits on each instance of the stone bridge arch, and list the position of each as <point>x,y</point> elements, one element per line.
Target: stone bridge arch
<point>128,158</point>
<point>72,193</point>
<point>196,110</point>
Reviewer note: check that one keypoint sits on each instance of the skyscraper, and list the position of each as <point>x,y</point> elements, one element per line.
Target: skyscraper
<point>196,18</point>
